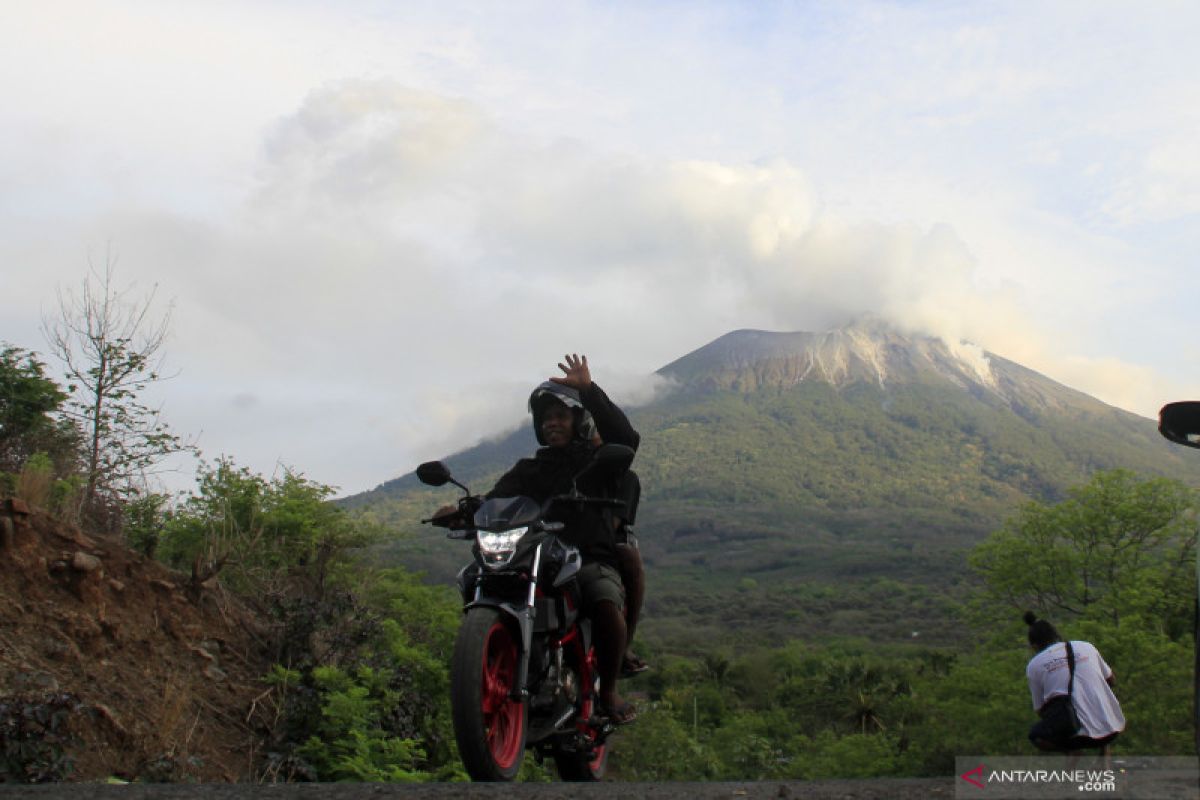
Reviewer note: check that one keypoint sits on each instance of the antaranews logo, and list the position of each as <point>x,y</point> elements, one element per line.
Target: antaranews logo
<point>974,776</point>
<point>1021,778</point>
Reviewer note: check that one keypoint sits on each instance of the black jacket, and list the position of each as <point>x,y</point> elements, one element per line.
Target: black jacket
<point>552,469</point>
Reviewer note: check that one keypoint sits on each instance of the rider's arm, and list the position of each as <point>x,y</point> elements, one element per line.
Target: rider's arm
<point>512,483</point>
<point>611,423</point>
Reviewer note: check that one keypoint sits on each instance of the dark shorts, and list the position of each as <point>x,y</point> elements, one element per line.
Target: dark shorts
<point>599,583</point>
<point>1046,732</point>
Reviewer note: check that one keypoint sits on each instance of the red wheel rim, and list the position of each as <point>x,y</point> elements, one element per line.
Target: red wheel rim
<point>502,715</point>
<point>596,763</point>
<point>589,708</point>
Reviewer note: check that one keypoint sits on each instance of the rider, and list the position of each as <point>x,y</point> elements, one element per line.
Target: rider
<point>568,412</point>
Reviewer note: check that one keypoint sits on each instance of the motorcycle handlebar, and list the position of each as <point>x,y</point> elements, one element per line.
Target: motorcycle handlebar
<point>459,518</point>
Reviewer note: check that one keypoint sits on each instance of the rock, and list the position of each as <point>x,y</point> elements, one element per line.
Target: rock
<point>83,562</point>
<point>116,585</point>
<point>60,649</point>
<point>207,656</point>
<point>213,672</point>
<point>166,586</point>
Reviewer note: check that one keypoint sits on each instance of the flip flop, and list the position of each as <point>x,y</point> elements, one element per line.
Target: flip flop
<point>632,665</point>
<point>621,715</point>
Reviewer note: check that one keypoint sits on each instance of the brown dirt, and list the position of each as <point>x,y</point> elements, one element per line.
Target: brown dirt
<point>168,674</point>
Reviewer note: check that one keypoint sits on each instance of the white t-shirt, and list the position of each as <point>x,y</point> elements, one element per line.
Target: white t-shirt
<point>1097,706</point>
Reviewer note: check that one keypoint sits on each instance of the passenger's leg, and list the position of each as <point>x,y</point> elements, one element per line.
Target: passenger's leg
<point>633,575</point>
<point>604,601</point>
<point>609,624</point>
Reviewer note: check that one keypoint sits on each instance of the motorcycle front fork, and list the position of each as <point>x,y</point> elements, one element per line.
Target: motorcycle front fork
<point>525,619</point>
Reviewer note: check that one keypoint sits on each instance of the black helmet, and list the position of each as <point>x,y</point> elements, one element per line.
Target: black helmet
<point>551,392</point>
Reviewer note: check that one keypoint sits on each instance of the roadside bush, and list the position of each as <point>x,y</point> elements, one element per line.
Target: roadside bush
<point>34,736</point>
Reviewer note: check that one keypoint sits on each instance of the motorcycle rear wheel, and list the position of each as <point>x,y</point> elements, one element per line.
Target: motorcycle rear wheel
<point>577,768</point>
<point>489,724</point>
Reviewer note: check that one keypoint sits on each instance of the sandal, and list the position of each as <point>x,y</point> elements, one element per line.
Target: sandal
<point>621,715</point>
<point>632,665</point>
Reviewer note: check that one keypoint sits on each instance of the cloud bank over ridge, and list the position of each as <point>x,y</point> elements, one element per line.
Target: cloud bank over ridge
<point>380,227</point>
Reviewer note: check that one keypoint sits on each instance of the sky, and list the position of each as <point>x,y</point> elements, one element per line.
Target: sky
<point>376,225</point>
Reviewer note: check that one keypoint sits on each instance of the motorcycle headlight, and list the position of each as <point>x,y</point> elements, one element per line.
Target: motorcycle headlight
<point>497,547</point>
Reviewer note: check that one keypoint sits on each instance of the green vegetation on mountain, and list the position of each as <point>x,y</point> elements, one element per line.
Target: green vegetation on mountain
<point>822,485</point>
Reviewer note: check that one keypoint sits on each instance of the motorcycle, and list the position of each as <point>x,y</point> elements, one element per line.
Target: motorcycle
<point>523,674</point>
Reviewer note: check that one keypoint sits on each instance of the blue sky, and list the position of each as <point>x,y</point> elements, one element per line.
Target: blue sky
<point>380,223</point>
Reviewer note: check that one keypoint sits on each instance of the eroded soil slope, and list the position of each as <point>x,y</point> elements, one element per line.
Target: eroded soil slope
<point>162,677</point>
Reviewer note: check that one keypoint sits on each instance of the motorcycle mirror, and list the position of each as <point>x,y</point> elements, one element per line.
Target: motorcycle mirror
<point>433,473</point>
<point>1180,422</point>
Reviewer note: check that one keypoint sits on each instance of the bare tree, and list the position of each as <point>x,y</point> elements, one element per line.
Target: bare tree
<point>110,344</point>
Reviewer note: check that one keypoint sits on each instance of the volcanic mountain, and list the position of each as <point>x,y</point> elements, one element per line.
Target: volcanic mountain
<point>783,468</point>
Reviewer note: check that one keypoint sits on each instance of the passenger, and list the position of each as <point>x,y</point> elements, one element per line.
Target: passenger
<point>633,571</point>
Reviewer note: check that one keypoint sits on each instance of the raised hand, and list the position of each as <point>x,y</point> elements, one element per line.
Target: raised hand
<point>577,376</point>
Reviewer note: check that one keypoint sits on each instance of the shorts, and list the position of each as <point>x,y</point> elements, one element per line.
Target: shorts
<point>1045,732</point>
<point>599,583</point>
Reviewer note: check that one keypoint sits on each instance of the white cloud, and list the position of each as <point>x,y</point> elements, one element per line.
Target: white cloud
<point>383,224</point>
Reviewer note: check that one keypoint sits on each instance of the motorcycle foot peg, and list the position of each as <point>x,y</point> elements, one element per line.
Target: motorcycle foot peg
<point>603,726</point>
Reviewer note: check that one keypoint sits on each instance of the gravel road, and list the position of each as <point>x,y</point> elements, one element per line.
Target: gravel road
<point>1165,787</point>
<point>903,789</point>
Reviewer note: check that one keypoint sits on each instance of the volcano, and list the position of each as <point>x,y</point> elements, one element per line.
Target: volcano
<point>862,456</point>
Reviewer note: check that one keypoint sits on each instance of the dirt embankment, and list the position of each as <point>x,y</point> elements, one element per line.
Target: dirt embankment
<point>160,680</point>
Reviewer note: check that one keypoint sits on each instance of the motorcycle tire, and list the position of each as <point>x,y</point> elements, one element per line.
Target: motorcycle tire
<point>577,768</point>
<point>489,724</point>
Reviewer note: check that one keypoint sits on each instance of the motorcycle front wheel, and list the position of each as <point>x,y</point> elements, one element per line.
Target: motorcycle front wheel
<point>489,724</point>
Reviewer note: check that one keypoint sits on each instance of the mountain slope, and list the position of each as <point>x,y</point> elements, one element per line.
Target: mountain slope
<point>788,461</point>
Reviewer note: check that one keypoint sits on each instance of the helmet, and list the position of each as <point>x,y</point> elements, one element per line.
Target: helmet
<point>551,392</point>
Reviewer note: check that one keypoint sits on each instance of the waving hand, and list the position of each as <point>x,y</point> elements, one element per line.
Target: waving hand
<point>577,376</point>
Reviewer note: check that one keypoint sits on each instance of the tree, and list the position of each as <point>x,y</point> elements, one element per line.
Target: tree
<point>1119,546</point>
<point>261,535</point>
<point>109,344</point>
<point>29,402</point>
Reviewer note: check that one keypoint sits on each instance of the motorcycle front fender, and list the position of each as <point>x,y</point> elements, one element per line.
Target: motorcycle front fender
<point>524,619</point>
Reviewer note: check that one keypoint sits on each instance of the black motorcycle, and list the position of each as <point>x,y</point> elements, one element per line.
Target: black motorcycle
<point>524,672</point>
